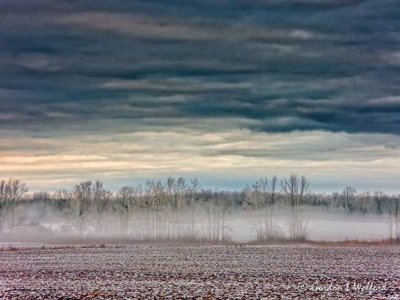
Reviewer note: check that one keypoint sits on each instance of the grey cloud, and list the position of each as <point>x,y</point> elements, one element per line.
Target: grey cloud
<point>282,65</point>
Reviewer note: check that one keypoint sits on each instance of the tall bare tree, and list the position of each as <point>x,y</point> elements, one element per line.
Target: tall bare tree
<point>394,218</point>
<point>101,199</point>
<point>348,199</point>
<point>193,191</point>
<point>125,207</point>
<point>379,199</point>
<point>80,203</point>
<point>11,192</point>
<point>262,199</point>
<point>296,188</point>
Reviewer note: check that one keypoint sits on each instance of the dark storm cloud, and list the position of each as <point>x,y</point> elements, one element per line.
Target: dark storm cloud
<point>283,65</point>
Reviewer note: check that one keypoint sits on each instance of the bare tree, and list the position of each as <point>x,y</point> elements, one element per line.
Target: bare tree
<point>217,208</point>
<point>394,218</point>
<point>4,201</point>
<point>125,204</point>
<point>80,203</point>
<point>296,188</point>
<point>258,199</point>
<point>178,204</point>
<point>101,204</point>
<point>273,193</point>
<point>171,198</point>
<point>155,194</point>
<point>193,191</point>
<point>379,198</point>
<point>11,192</point>
<point>348,199</point>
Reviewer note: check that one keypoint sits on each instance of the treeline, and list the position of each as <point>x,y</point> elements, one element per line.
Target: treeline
<point>178,209</point>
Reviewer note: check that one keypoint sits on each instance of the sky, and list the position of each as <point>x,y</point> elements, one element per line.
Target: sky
<point>225,91</point>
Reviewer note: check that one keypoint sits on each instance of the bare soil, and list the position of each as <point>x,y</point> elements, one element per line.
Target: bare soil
<point>200,272</point>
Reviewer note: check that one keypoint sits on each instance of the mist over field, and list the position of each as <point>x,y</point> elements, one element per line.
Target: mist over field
<point>271,210</point>
<point>321,227</point>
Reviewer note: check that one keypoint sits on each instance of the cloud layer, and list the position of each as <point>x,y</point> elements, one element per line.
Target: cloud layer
<point>132,89</point>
